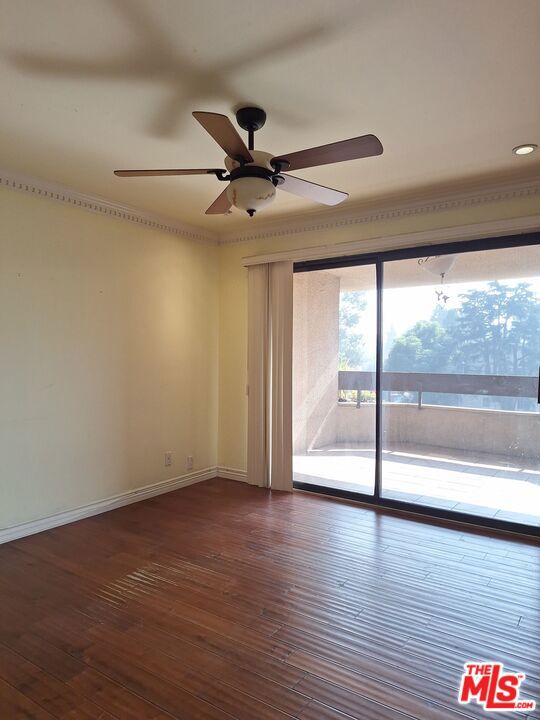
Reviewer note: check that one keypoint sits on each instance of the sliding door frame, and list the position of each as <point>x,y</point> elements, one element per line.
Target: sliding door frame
<point>378,260</point>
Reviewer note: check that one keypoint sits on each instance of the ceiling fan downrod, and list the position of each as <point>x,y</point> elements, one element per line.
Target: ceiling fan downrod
<point>251,119</point>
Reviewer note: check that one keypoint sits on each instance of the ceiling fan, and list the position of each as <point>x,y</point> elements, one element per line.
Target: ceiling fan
<point>254,175</point>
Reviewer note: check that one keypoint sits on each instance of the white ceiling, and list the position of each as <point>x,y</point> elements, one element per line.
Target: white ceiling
<point>449,86</point>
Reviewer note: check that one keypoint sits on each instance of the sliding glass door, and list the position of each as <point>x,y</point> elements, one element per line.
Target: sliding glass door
<point>461,427</point>
<point>334,348</point>
<point>416,379</point>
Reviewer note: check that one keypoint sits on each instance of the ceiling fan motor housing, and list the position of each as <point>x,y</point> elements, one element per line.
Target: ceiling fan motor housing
<point>252,186</point>
<point>260,159</point>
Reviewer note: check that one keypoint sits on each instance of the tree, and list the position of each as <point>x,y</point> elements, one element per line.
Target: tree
<point>525,334</point>
<point>446,317</point>
<point>423,348</point>
<point>494,331</point>
<point>497,331</point>
<point>351,341</point>
<point>389,339</point>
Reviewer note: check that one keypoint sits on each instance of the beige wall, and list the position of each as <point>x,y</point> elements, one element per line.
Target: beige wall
<point>109,345</point>
<point>233,299</point>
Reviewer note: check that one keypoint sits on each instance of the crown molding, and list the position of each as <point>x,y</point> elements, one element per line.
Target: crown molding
<point>381,243</point>
<point>389,210</point>
<point>311,223</point>
<point>93,203</point>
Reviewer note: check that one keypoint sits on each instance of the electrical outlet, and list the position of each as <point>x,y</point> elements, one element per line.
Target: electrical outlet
<point>189,462</point>
<point>168,458</point>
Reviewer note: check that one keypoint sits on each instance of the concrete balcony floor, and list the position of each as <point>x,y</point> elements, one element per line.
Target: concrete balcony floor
<point>476,483</point>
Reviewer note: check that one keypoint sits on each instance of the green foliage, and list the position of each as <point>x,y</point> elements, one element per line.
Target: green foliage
<point>423,348</point>
<point>351,341</point>
<point>495,331</point>
<point>498,331</point>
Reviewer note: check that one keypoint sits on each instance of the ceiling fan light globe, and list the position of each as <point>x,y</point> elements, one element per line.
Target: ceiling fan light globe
<point>251,193</point>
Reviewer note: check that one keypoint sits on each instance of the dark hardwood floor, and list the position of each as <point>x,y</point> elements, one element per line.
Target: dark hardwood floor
<point>224,601</point>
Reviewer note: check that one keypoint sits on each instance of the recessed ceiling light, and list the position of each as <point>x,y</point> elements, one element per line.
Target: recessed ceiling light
<point>524,149</point>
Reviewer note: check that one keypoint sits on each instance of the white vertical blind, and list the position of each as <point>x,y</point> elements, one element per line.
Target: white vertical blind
<point>270,317</point>
<point>281,325</point>
<point>258,375</point>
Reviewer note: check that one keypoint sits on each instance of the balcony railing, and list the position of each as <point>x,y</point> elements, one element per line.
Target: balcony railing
<point>516,386</point>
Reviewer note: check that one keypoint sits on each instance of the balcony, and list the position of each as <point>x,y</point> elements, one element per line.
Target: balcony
<point>477,460</point>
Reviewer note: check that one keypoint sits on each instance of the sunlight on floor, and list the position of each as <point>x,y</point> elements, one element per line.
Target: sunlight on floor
<point>471,483</point>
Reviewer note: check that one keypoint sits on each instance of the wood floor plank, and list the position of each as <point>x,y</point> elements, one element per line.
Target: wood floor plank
<point>121,703</point>
<point>54,696</point>
<point>224,601</point>
<point>17,705</point>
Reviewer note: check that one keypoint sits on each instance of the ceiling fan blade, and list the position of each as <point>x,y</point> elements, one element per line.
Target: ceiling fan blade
<point>220,206</point>
<point>353,149</point>
<point>312,191</point>
<point>149,173</point>
<point>224,133</point>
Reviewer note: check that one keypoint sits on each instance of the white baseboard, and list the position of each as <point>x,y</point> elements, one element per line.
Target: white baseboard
<point>100,506</point>
<point>232,473</point>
